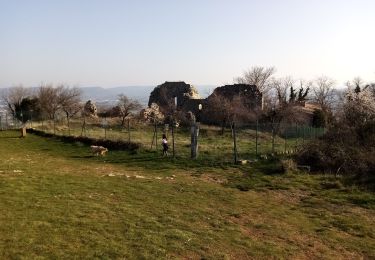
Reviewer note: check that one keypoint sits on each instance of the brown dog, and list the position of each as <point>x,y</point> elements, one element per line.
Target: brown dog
<point>98,150</point>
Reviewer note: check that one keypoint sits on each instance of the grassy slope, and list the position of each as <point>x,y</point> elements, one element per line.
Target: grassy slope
<point>57,201</point>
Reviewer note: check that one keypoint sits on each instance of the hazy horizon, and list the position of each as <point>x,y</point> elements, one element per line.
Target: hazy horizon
<point>145,43</point>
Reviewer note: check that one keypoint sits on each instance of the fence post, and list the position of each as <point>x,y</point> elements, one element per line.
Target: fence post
<point>256,137</point>
<point>155,137</point>
<point>303,134</point>
<point>129,130</point>
<point>194,140</point>
<point>105,124</point>
<point>285,138</point>
<point>273,138</point>
<point>173,151</point>
<point>234,142</point>
<point>83,130</point>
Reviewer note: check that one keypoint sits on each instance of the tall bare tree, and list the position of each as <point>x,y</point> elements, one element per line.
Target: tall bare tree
<point>52,99</point>
<point>323,92</point>
<point>126,107</point>
<point>258,76</point>
<point>70,102</point>
<point>14,96</point>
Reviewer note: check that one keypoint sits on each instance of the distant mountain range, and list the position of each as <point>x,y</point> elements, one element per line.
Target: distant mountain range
<point>140,93</point>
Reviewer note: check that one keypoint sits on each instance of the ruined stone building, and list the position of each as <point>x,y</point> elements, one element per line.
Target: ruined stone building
<point>250,94</point>
<point>185,97</point>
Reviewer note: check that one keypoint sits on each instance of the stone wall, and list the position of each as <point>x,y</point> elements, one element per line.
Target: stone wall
<point>172,93</point>
<point>252,97</point>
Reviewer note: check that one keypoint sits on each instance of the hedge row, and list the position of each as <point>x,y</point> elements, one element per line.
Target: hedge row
<point>111,145</point>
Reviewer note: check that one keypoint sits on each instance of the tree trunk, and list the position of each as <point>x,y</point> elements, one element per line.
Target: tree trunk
<point>68,126</point>
<point>83,127</point>
<point>54,125</point>
<point>68,121</point>
<point>123,121</point>
<point>222,127</point>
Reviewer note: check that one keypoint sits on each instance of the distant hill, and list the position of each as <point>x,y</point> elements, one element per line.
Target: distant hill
<point>140,93</point>
<point>110,95</point>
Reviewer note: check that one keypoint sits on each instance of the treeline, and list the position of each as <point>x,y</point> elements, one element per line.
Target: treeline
<point>348,147</point>
<point>50,102</point>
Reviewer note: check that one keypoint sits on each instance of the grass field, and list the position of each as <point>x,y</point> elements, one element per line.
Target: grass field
<point>58,201</point>
<point>213,145</point>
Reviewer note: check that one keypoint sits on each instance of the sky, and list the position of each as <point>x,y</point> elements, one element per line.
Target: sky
<point>112,43</point>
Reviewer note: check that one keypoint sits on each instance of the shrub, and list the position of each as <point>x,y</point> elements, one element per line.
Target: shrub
<point>319,118</point>
<point>348,147</point>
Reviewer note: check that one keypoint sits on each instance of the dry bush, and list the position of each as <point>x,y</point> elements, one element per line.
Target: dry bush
<point>348,147</point>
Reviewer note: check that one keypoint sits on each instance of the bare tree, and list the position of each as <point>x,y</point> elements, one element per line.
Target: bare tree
<point>126,107</point>
<point>357,84</point>
<point>304,89</point>
<point>283,86</point>
<point>13,97</point>
<point>70,102</point>
<point>223,111</point>
<point>50,101</point>
<point>323,92</point>
<point>258,76</point>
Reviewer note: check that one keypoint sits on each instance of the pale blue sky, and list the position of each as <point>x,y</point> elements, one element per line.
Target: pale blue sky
<point>116,43</point>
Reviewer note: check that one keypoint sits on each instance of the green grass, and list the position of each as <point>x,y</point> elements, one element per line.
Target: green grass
<point>213,145</point>
<point>58,201</point>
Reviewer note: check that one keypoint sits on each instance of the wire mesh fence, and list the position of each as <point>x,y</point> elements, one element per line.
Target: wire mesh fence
<point>213,142</point>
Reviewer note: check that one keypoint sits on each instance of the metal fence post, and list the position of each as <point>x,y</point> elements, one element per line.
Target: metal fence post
<point>234,142</point>
<point>285,138</point>
<point>273,138</point>
<point>256,138</point>
<point>173,150</point>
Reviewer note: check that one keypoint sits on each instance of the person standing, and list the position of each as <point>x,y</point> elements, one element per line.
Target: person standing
<point>164,143</point>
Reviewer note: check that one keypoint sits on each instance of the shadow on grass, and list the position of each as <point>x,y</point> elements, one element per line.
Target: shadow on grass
<point>83,156</point>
